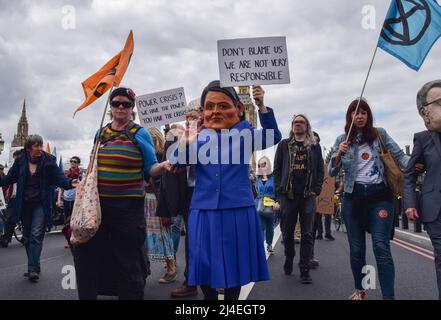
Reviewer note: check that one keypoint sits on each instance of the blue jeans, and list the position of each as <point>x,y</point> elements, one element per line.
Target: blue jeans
<point>380,219</point>
<point>176,232</point>
<point>34,225</point>
<point>267,225</point>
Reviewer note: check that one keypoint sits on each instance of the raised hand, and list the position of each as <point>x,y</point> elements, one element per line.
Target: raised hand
<point>343,148</point>
<point>258,95</point>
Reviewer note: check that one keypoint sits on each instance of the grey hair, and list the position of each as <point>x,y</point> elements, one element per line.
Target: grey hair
<point>421,99</point>
<point>269,168</point>
<point>33,139</point>
<point>194,105</point>
<point>310,139</point>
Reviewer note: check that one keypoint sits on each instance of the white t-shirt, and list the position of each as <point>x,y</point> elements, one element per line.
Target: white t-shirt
<point>367,170</point>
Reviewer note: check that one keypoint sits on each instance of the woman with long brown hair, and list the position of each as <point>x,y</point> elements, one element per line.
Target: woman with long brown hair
<point>367,200</point>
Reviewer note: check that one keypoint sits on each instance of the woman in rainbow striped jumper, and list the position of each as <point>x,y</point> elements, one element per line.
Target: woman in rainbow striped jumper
<point>126,157</point>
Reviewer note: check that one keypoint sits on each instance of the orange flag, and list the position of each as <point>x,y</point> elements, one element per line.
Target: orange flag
<point>110,74</point>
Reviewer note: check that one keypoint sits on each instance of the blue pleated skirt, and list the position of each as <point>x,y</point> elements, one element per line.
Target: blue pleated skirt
<point>225,248</point>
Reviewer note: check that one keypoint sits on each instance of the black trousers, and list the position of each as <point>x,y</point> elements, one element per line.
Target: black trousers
<point>304,208</point>
<point>67,207</point>
<point>318,227</point>
<point>434,231</point>
<point>185,217</point>
<point>318,224</point>
<point>114,261</point>
<point>230,293</point>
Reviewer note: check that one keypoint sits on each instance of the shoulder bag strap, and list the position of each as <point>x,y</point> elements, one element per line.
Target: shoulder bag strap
<point>383,148</point>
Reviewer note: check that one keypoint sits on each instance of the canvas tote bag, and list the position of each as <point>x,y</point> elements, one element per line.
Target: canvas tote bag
<point>86,213</point>
<point>394,175</point>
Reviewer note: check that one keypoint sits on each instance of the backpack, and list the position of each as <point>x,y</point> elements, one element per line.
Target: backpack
<point>131,131</point>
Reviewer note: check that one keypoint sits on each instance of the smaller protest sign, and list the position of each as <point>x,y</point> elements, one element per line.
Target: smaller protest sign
<point>160,108</point>
<point>325,203</point>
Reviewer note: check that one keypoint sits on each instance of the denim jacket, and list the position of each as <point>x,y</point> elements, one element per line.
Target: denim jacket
<point>265,190</point>
<point>348,161</point>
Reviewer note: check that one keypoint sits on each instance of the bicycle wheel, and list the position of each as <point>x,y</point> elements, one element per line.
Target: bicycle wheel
<point>18,233</point>
<point>2,223</point>
<point>337,218</point>
<point>3,216</point>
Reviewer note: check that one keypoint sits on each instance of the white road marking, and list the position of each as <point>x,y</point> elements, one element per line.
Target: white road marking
<point>413,235</point>
<point>246,290</point>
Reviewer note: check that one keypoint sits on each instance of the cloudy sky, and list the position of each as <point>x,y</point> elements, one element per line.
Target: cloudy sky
<point>47,48</point>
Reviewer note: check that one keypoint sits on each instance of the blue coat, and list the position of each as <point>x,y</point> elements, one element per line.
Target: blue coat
<point>50,175</point>
<point>264,190</point>
<point>227,186</point>
<point>267,189</point>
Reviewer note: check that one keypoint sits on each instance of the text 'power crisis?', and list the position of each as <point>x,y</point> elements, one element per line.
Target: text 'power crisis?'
<point>160,108</point>
<point>253,61</point>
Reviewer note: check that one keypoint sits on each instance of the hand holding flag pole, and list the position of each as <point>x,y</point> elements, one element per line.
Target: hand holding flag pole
<point>109,76</point>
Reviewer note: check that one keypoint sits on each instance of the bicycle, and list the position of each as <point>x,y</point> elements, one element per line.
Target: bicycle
<point>18,229</point>
<point>337,216</point>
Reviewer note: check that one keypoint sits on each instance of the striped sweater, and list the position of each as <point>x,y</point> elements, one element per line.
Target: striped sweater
<point>120,166</point>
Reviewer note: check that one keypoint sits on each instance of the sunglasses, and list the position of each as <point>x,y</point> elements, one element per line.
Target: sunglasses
<point>125,104</point>
<point>299,122</point>
<point>73,161</point>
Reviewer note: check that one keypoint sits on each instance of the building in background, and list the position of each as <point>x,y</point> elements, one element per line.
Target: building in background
<point>250,114</point>
<point>20,137</point>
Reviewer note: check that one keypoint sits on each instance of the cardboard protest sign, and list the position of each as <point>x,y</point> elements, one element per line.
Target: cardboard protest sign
<point>160,108</point>
<point>2,200</point>
<point>325,201</point>
<point>253,61</point>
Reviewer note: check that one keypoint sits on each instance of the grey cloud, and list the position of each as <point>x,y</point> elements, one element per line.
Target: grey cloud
<point>175,45</point>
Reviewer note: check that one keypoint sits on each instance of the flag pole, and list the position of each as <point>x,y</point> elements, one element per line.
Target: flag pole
<point>97,142</point>
<point>362,92</point>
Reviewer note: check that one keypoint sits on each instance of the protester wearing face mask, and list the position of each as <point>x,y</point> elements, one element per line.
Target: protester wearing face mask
<point>266,204</point>
<point>225,241</point>
<point>427,150</point>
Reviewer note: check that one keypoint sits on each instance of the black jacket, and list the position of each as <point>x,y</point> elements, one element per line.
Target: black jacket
<point>173,192</point>
<point>283,171</point>
<point>50,175</point>
<point>427,150</point>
